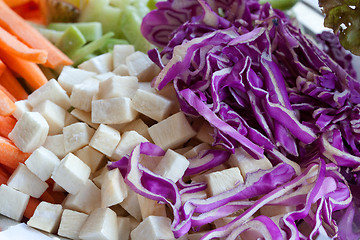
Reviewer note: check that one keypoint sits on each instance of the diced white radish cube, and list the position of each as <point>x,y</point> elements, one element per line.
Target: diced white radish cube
<point>141,66</point>
<point>196,195</point>
<point>71,76</point>
<point>76,136</point>
<point>128,141</point>
<point>194,151</point>
<point>138,126</point>
<point>93,158</point>
<point>84,117</point>
<point>83,93</point>
<point>105,140</point>
<point>172,165</point>
<point>46,217</point>
<point>202,177</point>
<point>222,181</point>
<point>172,132</point>
<point>246,163</point>
<point>12,202</point>
<point>21,107</point>
<point>100,225</point>
<point>55,144</point>
<point>86,200</point>
<point>205,133</point>
<point>120,52</point>
<point>119,210</point>
<point>71,223</point>
<point>150,162</point>
<point>69,119</point>
<point>149,207</point>
<point>113,111</point>
<point>121,70</point>
<point>99,176</point>
<point>105,76</point>
<point>57,188</point>
<point>124,228</point>
<point>118,86</point>
<point>99,64</point>
<point>71,174</point>
<point>154,228</point>
<point>113,188</point>
<point>131,204</point>
<point>152,105</point>
<point>42,163</point>
<point>54,115</point>
<point>30,131</point>
<point>50,91</point>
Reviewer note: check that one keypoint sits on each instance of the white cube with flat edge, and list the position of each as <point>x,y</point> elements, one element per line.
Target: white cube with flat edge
<point>100,64</point>
<point>154,228</point>
<point>71,223</point>
<point>118,86</point>
<point>113,188</point>
<point>71,174</point>
<point>222,181</point>
<point>50,91</point>
<point>42,163</point>
<point>71,76</point>
<point>124,228</point>
<point>93,158</point>
<point>121,70</point>
<point>149,207</point>
<point>46,217</point>
<point>172,131</point>
<point>69,119</point>
<point>12,202</point>
<point>83,93</point>
<point>21,107</point>
<point>54,115</point>
<point>55,144</point>
<point>128,141</point>
<point>100,225</point>
<point>138,126</point>
<point>120,52</point>
<point>30,132</point>
<point>76,136</point>
<point>84,117</point>
<point>141,66</point>
<point>131,204</point>
<point>105,139</point>
<point>112,111</point>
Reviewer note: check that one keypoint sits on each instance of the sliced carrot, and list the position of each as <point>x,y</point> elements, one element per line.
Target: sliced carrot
<point>31,12</point>
<point>12,45</point>
<point>28,70</point>
<point>9,81</point>
<point>2,67</point>
<point>2,88</point>
<point>17,26</point>
<point>7,106</point>
<point>4,176</point>
<point>10,155</point>
<point>6,125</point>
<point>14,3</point>
<point>30,208</point>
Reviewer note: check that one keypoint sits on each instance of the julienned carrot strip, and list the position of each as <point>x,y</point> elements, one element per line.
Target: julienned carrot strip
<point>6,125</point>
<point>2,67</point>
<point>4,176</point>
<point>15,3</point>
<point>2,88</point>
<point>9,81</point>
<point>7,106</point>
<point>17,26</point>
<point>12,45</point>
<point>28,70</point>
<point>10,155</point>
<point>30,208</point>
<point>30,12</point>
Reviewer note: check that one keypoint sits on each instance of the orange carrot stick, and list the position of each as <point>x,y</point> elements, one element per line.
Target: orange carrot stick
<point>2,67</point>
<point>30,208</point>
<point>28,70</point>
<point>31,12</point>
<point>4,176</point>
<point>10,155</point>
<point>9,81</point>
<point>7,106</point>
<point>14,3</point>
<point>12,45</point>
<point>6,125</point>
<point>2,88</point>
<point>17,26</point>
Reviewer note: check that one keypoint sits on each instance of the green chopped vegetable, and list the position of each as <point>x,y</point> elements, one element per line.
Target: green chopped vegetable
<point>90,30</point>
<point>71,40</point>
<point>280,4</point>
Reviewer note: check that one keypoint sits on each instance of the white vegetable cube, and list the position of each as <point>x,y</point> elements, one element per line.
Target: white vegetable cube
<point>131,204</point>
<point>138,126</point>
<point>83,93</point>
<point>172,132</point>
<point>149,207</point>
<point>246,163</point>
<point>196,195</point>
<point>128,141</point>
<point>69,119</point>
<point>99,176</point>
<point>84,117</point>
<point>222,181</point>
<point>42,163</point>
<point>71,76</point>
<point>118,86</point>
<point>54,115</point>
<point>120,52</point>
<point>93,158</point>
<point>46,217</point>
<point>154,228</point>
<point>12,202</point>
<point>76,136</point>
<point>50,91</point>
<point>105,76</point>
<point>99,64</point>
<point>100,225</point>
<point>71,223</point>
<point>105,139</point>
<point>30,131</point>
<point>124,227</point>
<point>172,165</point>
<point>193,152</point>
<point>112,111</point>
<point>141,66</point>
<point>113,189</point>
<point>152,105</point>
<point>121,70</point>
<point>71,174</point>
<point>55,144</point>
<point>86,200</point>
<point>22,106</point>
<point>205,133</point>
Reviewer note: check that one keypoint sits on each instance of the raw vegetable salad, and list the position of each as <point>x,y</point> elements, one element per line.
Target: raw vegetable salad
<point>249,129</point>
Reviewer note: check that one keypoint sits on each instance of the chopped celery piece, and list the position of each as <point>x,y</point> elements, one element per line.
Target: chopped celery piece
<point>119,3</point>
<point>52,35</point>
<point>109,45</point>
<point>71,40</point>
<point>90,30</point>
<point>90,48</point>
